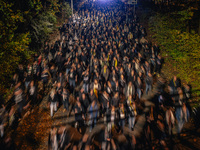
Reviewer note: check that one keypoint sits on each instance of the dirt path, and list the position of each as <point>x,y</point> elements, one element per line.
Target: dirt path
<point>31,129</point>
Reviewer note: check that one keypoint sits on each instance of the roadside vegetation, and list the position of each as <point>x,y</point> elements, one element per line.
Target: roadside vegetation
<point>176,30</point>
<point>24,26</point>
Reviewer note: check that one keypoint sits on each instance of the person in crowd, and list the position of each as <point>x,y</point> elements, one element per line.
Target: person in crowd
<point>19,98</point>
<point>109,89</point>
<point>93,114</point>
<point>53,101</point>
<point>115,100</point>
<point>21,73</point>
<point>72,78</point>
<point>106,144</point>
<point>86,79</point>
<point>92,96</point>
<point>159,64</point>
<point>8,143</point>
<point>116,87</point>
<point>139,87</point>
<point>122,83</point>
<point>79,115</point>
<point>3,119</point>
<point>53,139</point>
<point>35,70</point>
<point>113,118</point>
<point>122,116</point>
<point>130,90</point>
<point>105,73</point>
<point>96,87</point>
<point>65,99</point>
<point>132,111</point>
<point>182,116</point>
<point>149,82</point>
<point>59,93</point>
<point>44,77</point>
<point>61,79</point>
<point>170,120</point>
<point>174,85</point>
<point>28,75</point>
<point>84,102</point>
<point>32,93</point>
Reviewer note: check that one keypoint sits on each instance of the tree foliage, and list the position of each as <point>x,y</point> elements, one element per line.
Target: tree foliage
<point>183,47</point>
<point>13,46</point>
<point>24,26</point>
<point>41,27</point>
<point>66,10</point>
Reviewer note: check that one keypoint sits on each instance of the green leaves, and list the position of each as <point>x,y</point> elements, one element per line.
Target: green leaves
<point>186,14</point>
<point>13,45</point>
<point>181,46</point>
<point>42,26</point>
<point>24,25</point>
<point>66,10</point>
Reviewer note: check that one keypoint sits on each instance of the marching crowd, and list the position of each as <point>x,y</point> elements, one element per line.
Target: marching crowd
<point>105,62</point>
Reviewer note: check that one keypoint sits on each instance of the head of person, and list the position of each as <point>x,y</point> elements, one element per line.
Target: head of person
<point>122,76</point>
<point>95,81</point>
<point>113,108</point>
<point>83,96</point>
<point>93,103</point>
<point>116,94</point>
<point>130,83</point>
<point>91,92</point>
<point>175,78</point>
<point>132,72</point>
<point>78,103</point>
<point>122,105</point>
<point>32,83</point>
<point>133,104</point>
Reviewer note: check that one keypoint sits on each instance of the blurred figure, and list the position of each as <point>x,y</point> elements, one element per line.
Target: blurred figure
<point>174,85</point>
<point>170,120</point>
<point>8,143</point>
<point>32,93</point>
<point>149,82</point>
<point>3,119</point>
<point>132,115</point>
<point>53,139</point>
<point>130,90</point>
<point>53,101</point>
<point>79,116</point>
<point>65,99</point>
<point>93,114</point>
<point>122,116</point>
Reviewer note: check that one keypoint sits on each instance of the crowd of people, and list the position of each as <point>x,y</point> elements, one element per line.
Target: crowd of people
<point>104,61</point>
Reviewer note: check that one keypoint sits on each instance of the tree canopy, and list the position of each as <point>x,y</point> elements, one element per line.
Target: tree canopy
<point>24,26</point>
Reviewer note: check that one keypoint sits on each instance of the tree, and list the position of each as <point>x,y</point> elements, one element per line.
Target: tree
<point>24,26</point>
<point>14,46</point>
